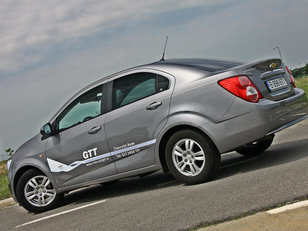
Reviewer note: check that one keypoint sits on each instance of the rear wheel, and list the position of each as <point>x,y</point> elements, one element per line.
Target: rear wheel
<point>191,157</point>
<point>256,147</point>
<point>36,193</point>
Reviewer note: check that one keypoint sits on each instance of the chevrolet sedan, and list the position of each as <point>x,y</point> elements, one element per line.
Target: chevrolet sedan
<point>178,115</point>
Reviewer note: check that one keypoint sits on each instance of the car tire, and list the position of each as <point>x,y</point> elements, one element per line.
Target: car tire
<point>256,147</point>
<point>36,193</point>
<point>191,157</point>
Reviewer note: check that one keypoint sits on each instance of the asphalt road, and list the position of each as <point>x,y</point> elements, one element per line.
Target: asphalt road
<point>158,202</point>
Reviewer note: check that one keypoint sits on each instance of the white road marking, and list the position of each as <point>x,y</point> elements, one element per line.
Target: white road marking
<point>289,207</point>
<point>61,213</point>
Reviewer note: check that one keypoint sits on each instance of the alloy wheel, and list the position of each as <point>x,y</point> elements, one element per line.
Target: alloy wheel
<point>188,157</point>
<point>39,191</point>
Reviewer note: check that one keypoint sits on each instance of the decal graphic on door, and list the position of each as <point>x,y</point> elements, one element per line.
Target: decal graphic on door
<point>119,153</point>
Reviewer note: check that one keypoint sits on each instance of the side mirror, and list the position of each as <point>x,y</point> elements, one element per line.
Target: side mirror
<point>46,130</point>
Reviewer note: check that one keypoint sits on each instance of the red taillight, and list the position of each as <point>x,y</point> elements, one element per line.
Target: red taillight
<point>242,87</point>
<point>291,77</point>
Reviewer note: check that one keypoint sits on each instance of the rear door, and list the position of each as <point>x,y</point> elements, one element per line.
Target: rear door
<point>139,108</point>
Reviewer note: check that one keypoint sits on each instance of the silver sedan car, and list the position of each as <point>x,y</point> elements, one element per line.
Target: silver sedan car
<point>177,115</point>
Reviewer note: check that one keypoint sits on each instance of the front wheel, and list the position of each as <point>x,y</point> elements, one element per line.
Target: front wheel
<point>256,147</point>
<point>191,157</point>
<point>36,193</point>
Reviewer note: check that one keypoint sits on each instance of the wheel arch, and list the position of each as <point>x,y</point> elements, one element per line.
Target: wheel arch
<point>169,133</point>
<point>24,168</point>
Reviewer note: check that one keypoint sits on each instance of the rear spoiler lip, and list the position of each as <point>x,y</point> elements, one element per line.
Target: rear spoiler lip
<point>262,65</point>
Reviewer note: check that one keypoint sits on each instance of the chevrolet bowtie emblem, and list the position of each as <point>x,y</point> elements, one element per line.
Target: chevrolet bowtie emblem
<point>273,65</point>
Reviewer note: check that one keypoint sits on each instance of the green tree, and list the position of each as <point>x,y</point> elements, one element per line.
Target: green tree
<point>306,69</point>
<point>295,72</point>
<point>9,151</point>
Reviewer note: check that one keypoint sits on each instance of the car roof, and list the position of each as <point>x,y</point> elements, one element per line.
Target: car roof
<point>208,65</point>
<point>205,66</point>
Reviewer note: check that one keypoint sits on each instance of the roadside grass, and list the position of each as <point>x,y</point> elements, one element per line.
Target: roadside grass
<point>4,189</point>
<point>302,82</point>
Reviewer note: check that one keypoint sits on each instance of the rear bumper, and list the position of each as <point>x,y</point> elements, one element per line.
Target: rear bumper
<point>249,122</point>
<point>287,125</point>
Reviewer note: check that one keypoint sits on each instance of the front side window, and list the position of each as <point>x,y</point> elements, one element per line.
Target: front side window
<point>85,107</point>
<point>134,87</point>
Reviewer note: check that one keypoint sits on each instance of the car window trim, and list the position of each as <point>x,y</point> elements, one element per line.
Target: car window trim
<point>109,96</point>
<point>110,90</point>
<point>102,112</point>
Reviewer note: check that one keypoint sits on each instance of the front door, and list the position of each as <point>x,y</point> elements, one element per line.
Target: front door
<point>79,152</point>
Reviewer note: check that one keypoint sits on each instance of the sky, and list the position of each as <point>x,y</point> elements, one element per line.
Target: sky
<point>50,49</point>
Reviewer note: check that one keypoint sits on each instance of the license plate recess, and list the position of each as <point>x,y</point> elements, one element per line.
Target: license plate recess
<point>276,84</point>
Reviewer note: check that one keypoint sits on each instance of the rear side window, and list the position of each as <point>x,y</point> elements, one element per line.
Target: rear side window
<point>137,86</point>
<point>163,83</point>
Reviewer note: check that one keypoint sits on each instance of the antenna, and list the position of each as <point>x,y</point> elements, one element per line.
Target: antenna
<point>277,47</point>
<point>163,58</point>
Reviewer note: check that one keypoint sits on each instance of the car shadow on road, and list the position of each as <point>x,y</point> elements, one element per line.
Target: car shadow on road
<point>126,186</point>
<point>277,154</point>
<point>231,164</point>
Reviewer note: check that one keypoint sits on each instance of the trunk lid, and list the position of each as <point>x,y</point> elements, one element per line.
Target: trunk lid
<point>271,78</point>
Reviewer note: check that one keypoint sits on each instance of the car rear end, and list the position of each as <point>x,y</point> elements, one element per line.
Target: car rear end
<point>266,102</point>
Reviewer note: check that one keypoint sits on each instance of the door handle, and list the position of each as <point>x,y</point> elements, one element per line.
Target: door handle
<point>154,105</point>
<point>94,130</point>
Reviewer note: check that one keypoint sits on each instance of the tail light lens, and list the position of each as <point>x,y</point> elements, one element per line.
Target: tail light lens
<point>291,77</point>
<point>242,87</point>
